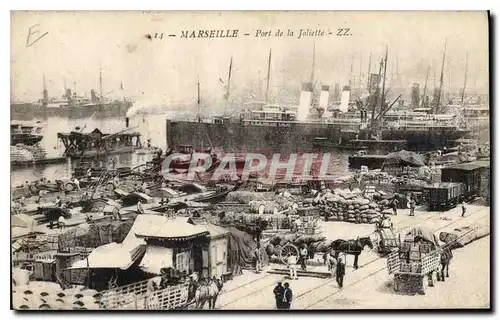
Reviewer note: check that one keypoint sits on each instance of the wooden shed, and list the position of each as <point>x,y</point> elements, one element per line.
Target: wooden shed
<point>215,259</point>
<point>474,175</point>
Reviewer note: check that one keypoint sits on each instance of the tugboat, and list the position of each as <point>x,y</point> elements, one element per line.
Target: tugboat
<point>95,143</point>
<point>25,133</point>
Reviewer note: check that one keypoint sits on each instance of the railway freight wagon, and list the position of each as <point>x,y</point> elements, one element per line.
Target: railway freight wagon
<point>470,174</point>
<point>442,196</point>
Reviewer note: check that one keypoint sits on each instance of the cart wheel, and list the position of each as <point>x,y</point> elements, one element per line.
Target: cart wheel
<point>110,186</point>
<point>69,187</point>
<point>288,250</point>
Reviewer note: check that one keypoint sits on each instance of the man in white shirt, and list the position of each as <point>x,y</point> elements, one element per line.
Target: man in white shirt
<point>77,184</point>
<point>303,257</point>
<point>464,208</point>
<point>292,265</point>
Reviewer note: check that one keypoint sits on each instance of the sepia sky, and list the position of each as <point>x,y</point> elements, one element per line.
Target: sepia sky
<point>166,71</point>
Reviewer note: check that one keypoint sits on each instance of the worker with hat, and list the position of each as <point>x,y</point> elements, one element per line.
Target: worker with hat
<point>279,292</point>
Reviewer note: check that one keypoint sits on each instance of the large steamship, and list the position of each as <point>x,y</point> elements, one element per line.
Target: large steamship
<point>70,105</point>
<point>342,124</point>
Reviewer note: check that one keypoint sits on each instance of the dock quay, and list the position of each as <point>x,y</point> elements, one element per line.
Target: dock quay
<point>34,162</point>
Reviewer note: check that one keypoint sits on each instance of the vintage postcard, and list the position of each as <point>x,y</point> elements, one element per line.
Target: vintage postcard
<point>250,160</point>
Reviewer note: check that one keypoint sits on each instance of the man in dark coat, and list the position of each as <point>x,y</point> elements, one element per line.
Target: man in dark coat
<point>340,272</point>
<point>287,296</point>
<point>279,292</point>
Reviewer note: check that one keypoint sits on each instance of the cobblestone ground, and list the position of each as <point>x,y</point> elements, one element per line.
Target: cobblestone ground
<point>371,286</point>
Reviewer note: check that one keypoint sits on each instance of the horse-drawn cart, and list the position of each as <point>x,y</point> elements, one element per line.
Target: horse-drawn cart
<point>417,257</point>
<point>387,240</point>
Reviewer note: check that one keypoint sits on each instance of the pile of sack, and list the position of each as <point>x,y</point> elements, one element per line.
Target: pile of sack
<point>353,206</point>
<point>21,152</point>
<point>18,153</point>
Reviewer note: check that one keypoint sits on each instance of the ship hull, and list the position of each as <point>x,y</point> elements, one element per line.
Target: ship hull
<point>236,137</point>
<point>28,111</point>
<point>26,139</point>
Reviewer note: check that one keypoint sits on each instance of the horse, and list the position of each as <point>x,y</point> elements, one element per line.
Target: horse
<point>208,292</point>
<point>352,247</point>
<point>446,256</point>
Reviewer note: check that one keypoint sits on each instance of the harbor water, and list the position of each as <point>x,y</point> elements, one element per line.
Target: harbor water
<point>150,126</point>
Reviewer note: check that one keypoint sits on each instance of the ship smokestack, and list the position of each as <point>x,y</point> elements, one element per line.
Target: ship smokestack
<point>127,120</point>
<point>323,98</point>
<point>415,95</point>
<point>68,94</point>
<point>45,97</point>
<point>336,92</point>
<point>345,98</point>
<point>305,101</point>
<point>93,96</point>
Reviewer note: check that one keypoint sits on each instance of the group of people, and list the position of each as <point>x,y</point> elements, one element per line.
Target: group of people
<point>283,295</point>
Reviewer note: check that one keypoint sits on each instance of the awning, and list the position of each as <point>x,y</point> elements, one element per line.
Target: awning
<point>160,227</point>
<point>156,258</point>
<point>110,256</point>
<point>23,221</point>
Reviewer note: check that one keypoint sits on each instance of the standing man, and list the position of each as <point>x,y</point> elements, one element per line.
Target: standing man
<point>292,265</point>
<point>464,208</point>
<point>89,174</point>
<point>331,263</point>
<point>412,207</point>
<point>303,257</point>
<point>287,296</point>
<point>340,272</point>
<point>140,208</point>
<point>257,258</point>
<point>77,183</point>
<point>395,203</point>
<point>279,293</point>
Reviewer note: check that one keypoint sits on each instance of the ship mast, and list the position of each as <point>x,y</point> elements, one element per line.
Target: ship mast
<point>369,70</point>
<point>441,80</point>
<point>360,74</point>
<point>376,93</point>
<point>425,86</point>
<point>268,76</point>
<point>383,80</point>
<point>100,86</point>
<point>228,89</point>
<point>199,100</point>
<point>313,64</point>
<point>465,77</point>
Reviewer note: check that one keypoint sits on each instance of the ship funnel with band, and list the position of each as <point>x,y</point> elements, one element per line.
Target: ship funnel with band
<point>323,98</point>
<point>415,95</point>
<point>305,101</point>
<point>345,98</point>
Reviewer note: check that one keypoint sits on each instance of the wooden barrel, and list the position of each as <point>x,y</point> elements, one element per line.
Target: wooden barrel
<point>257,207</point>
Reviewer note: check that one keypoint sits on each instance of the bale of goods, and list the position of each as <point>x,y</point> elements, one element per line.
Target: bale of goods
<point>244,197</point>
<point>271,208</point>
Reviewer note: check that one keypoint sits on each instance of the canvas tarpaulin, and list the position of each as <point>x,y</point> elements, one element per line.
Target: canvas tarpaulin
<point>95,235</point>
<point>424,234</point>
<point>406,158</point>
<point>241,249</point>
